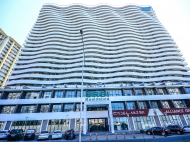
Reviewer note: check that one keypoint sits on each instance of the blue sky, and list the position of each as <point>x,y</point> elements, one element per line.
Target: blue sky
<point>18,16</point>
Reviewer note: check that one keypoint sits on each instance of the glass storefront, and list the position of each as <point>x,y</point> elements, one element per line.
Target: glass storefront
<point>187,118</point>
<point>2,124</point>
<point>170,119</point>
<point>26,125</point>
<point>78,125</point>
<point>58,124</point>
<point>143,122</point>
<point>98,124</point>
<point>120,123</point>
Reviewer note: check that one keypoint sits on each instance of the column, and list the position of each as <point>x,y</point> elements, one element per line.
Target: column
<point>157,121</point>
<point>85,128</point>
<point>111,118</point>
<point>8,125</point>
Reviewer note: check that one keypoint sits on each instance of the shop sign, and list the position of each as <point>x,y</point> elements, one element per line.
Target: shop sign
<point>175,111</point>
<point>97,96</point>
<point>126,113</point>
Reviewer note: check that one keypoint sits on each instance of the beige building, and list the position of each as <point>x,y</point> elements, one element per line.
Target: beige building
<point>9,51</point>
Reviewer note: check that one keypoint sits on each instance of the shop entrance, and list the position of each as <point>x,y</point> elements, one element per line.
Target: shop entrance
<point>98,124</point>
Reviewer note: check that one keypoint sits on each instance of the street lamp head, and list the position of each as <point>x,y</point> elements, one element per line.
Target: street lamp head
<point>81,32</point>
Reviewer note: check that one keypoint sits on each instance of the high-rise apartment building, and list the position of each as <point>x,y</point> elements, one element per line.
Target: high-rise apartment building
<point>9,51</point>
<point>134,74</point>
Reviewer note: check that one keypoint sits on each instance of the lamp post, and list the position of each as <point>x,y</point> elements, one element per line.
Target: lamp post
<point>80,126</point>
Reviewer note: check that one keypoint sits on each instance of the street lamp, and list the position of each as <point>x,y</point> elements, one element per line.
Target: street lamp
<point>80,126</point>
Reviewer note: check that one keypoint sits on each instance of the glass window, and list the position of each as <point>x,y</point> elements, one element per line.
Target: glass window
<point>79,92</point>
<point>32,95</point>
<point>56,108</point>
<point>58,124</point>
<point>161,91</point>
<point>154,104</point>
<point>78,107</point>
<point>139,92</point>
<point>187,118</point>
<point>174,91</point>
<point>169,119</point>
<point>150,91</point>
<point>46,95</point>
<point>131,105</point>
<point>68,107</point>
<point>117,106</point>
<point>187,90</point>
<point>70,94</point>
<point>143,122</point>
<point>8,109</point>
<point>120,123</point>
<point>114,92</point>
<point>24,125</point>
<point>58,94</point>
<point>13,95</point>
<point>44,108</point>
<point>143,105</point>
<point>128,92</point>
<point>165,104</point>
<point>2,123</point>
<point>78,125</point>
<point>180,104</point>
<point>28,109</point>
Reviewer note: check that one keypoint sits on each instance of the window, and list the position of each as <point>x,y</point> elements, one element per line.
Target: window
<point>56,108</point>
<point>139,92</point>
<point>150,91</point>
<point>58,94</point>
<point>58,124</point>
<point>180,104</point>
<point>28,109</point>
<point>187,90</point>
<point>13,96</point>
<point>169,119</point>
<point>165,104</point>
<point>44,108</point>
<point>128,92</point>
<point>153,104</point>
<point>187,118</point>
<point>117,106</point>
<point>78,107</point>
<point>114,92</point>
<point>174,91</point>
<point>131,105</point>
<point>46,95</point>
<point>78,125</point>
<point>8,109</point>
<point>120,123</point>
<point>161,91</point>
<point>68,107</point>
<point>2,123</point>
<point>79,92</point>
<point>142,105</point>
<point>70,94</point>
<point>32,95</point>
<point>143,122</point>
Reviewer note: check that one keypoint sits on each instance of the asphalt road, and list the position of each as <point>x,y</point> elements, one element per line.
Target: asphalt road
<point>171,138</point>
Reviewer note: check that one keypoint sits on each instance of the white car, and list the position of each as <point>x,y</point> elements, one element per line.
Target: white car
<point>57,135</point>
<point>3,134</point>
<point>43,135</point>
<point>186,128</point>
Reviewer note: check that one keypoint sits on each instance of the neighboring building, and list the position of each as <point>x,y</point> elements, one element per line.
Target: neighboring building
<point>134,77</point>
<point>9,51</point>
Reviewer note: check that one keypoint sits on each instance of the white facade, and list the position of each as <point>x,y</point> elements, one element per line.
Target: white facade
<point>122,45</point>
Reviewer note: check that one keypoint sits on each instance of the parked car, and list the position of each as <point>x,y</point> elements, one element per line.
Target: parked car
<point>186,128</point>
<point>69,134</point>
<point>4,134</point>
<point>43,135</point>
<point>57,135</point>
<point>30,134</point>
<point>176,129</point>
<point>15,134</point>
<point>158,131</point>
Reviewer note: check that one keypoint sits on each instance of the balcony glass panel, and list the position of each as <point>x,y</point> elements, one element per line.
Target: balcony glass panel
<point>58,94</point>
<point>143,105</point>
<point>131,105</point>
<point>128,92</point>
<point>150,91</point>
<point>56,108</point>
<point>46,95</point>
<point>114,92</point>
<point>32,95</point>
<point>8,109</point>
<point>165,104</point>
<point>117,106</point>
<point>13,96</point>
<point>68,107</point>
<point>174,91</point>
<point>180,104</point>
<point>70,94</point>
<point>28,109</point>
<point>44,108</point>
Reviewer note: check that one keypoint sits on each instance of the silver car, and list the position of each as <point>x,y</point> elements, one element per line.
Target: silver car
<point>57,135</point>
<point>3,134</point>
<point>43,135</point>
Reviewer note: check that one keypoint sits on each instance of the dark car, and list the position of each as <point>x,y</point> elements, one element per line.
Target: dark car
<point>158,131</point>
<point>30,134</point>
<point>15,134</point>
<point>69,134</point>
<point>176,129</point>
